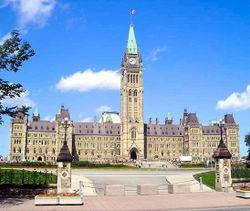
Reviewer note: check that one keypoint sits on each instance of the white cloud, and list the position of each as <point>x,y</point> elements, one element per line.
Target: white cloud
<point>4,38</point>
<point>87,119</point>
<point>49,118</point>
<point>154,54</point>
<point>32,11</point>
<point>88,80</point>
<point>236,101</point>
<point>103,108</point>
<point>23,100</point>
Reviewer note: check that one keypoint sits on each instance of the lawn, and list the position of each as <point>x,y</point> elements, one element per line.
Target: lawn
<point>208,178</point>
<point>19,177</point>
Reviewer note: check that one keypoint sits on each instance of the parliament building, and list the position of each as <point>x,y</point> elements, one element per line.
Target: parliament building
<point>117,138</point>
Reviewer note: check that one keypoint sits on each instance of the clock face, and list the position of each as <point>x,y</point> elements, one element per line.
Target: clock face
<point>132,60</point>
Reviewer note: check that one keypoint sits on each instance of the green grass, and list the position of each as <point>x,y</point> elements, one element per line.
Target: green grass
<point>208,178</point>
<point>18,177</point>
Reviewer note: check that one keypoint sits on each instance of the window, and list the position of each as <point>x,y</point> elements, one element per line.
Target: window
<point>136,78</point>
<point>14,150</point>
<point>130,92</point>
<point>128,78</point>
<point>133,78</point>
<point>135,93</point>
<point>133,133</point>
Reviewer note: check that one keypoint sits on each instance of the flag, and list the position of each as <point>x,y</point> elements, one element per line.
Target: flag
<point>132,12</point>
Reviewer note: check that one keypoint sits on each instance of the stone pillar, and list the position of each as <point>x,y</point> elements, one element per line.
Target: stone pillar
<point>223,180</point>
<point>222,157</point>
<point>64,160</point>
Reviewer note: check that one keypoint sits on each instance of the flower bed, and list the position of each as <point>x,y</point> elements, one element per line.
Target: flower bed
<point>243,193</point>
<point>47,199</point>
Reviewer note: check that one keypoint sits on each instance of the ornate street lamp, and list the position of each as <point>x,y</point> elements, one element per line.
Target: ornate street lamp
<point>221,123</point>
<point>64,160</point>
<point>65,124</point>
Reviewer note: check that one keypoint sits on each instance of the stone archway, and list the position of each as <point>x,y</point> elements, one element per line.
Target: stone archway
<point>133,155</point>
<point>39,158</point>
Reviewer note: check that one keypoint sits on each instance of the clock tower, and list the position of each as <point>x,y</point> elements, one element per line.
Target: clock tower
<point>132,126</point>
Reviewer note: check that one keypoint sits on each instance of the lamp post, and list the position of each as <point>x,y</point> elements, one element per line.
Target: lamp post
<point>64,160</point>
<point>65,124</point>
<point>221,123</point>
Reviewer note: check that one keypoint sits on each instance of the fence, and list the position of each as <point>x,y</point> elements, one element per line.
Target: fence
<point>22,177</point>
<point>240,173</point>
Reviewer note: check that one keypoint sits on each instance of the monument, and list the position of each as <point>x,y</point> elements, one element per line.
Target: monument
<point>64,161</point>
<point>222,157</point>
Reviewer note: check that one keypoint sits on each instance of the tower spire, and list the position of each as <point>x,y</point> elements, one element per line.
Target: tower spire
<point>131,44</point>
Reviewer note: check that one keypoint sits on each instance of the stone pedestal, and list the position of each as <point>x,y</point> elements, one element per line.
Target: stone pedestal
<point>222,157</point>
<point>64,161</point>
<point>223,179</point>
<point>63,177</point>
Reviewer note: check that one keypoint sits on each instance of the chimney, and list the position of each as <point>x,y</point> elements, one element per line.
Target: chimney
<point>157,121</point>
<point>150,120</point>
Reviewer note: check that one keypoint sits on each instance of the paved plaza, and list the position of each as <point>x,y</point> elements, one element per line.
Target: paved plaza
<point>95,180</point>
<point>191,201</point>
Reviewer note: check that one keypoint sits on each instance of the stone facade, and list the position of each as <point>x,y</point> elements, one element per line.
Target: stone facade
<point>131,138</point>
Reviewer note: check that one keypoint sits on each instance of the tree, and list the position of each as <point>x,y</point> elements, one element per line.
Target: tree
<point>247,141</point>
<point>13,52</point>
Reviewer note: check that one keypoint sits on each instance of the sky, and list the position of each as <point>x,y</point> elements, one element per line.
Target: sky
<point>195,56</point>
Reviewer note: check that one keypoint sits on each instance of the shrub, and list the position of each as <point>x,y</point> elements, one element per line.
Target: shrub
<point>192,165</point>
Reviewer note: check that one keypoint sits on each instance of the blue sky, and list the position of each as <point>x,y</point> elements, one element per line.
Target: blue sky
<point>195,55</point>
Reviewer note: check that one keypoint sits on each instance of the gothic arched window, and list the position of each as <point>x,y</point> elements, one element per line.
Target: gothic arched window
<point>128,78</point>
<point>133,78</point>
<point>136,78</point>
<point>135,92</point>
<point>133,134</point>
<point>130,92</point>
<point>14,150</point>
<point>53,151</point>
<point>19,149</point>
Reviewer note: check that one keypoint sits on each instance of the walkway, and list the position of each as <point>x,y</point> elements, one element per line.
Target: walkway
<point>139,203</point>
<point>88,187</point>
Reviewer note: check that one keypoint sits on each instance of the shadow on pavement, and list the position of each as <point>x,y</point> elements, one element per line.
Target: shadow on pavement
<point>5,202</point>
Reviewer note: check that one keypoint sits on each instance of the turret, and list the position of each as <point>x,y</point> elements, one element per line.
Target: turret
<point>168,119</point>
<point>36,116</point>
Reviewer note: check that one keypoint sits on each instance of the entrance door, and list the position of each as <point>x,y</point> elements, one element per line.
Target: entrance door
<point>133,155</point>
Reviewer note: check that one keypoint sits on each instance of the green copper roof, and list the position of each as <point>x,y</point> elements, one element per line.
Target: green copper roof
<point>212,122</point>
<point>36,112</point>
<point>131,44</point>
<point>169,116</point>
<point>109,119</point>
